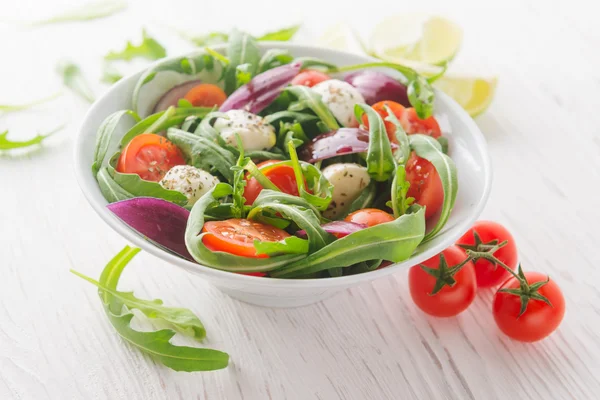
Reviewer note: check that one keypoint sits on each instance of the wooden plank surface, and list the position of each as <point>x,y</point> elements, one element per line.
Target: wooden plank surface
<point>369,342</point>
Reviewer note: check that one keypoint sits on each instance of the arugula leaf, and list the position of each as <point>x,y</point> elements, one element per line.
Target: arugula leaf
<point>239,183</point>
<point>203,153</point>
<point>243,74</point>
<point>394,241</point>
<point>274,58</point>
<point>380,160</point>
<point>282,35</point>
<point>132,183</point>
<point>242,49</point>
<point>7,144</point>
<point>403,152</point>
<point>308,98</point>
<point>85,12</point>
<point>291,115</point>
<point>400,202</point>
<point>218,259</point>
<point>74,80</point>
<point>104,135</point>
<point>289,245</point>
<point>420,92</point>
<point>110,189</point>
<point>430,149</point>
<point>110,74</point>
<point>149,49</point>
<point>156,344</point>
<point>322,189</point>
<point>6,108</point>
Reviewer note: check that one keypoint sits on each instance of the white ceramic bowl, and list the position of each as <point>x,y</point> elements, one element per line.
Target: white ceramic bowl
<point>467,146</point>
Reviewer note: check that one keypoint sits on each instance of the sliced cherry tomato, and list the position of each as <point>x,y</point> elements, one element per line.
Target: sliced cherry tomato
<point>310,77</point>
<point>236,236</point>
<point>408,119</point>
<point>539,319</point>
<point>206,95</point>
<point>369,217</point>
<point>282,176</point>
<point>490,233</point>
<point>425,184</point>
<point>150,156</point>
<point>449,300</point>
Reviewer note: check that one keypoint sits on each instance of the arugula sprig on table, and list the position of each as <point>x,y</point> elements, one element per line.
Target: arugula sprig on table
<point>156,344</point>
<point>73,78</point>
<point>85,12</point>
<point>7,144</point>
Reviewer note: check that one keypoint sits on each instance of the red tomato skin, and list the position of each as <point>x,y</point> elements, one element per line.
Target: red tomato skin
<point>425,184</point>
<point>539,320</point>
<point>283,177</point>
<point>257,274</point>
<point>487,274</point>
<point>310,77</point>
<point>369,217</point>
<point>450,300</point>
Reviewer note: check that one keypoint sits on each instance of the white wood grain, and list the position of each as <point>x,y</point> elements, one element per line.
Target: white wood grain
<point>367,343</point>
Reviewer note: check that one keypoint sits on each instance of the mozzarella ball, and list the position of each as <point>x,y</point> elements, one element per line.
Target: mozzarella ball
<point>191,181</point>
<point>254,132</point>
<point>340,97</point>
<point>348,181</point>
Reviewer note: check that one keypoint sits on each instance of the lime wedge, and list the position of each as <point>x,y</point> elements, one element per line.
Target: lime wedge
<point>417,37</point>
<point>473,94</point>
<point>341,37</point>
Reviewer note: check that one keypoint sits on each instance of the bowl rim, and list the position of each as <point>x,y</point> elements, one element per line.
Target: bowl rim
<point>86,182</point>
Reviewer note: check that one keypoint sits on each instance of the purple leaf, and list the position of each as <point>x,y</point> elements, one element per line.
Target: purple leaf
<point>158,220</point>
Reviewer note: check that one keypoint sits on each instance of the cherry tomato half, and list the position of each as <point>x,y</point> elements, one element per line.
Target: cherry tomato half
<point>487,273</point>
<point>150,156</point>
<point>236,236</point>
<point>206,95</point>
<point>369,217</point>
<point>450,300</point>
<point>539,319</point>
<point>282,176</point>
<point>408,119</point>
<point>310,77</point>
<point>425,184</point>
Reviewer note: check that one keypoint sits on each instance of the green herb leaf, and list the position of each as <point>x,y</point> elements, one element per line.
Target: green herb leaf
<point>242,49</point>
<point>400,202</point>
<point>403,152</point>
<point>104,135</point>
<point>110,74</point>
<point>308,98</point>
<point>290,245</point>
<point>243,74</point>
<point>394,241</point>
<point>149,49</point>
<point>218,259</point>
<point>290,115</point>
<point>274,58</point>
<point>429,149</point>
<point>7,144</point>
<point>239,183</point>
<point>74,80</point>
<point>117,306</point>
<point>133,184</point>
<point>203,153</point>
<point>6,108</point>
<point>380,160</point>
<point>86,12</point>
<point>110,189</point>
<point>282,35</point>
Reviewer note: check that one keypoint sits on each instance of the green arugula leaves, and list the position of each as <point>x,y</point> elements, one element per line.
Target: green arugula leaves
<point>149,49</point>
<point>156,344</point>
<point>7,144</point>
<point>241,49</point>
<point>74,80</point>
<point>85,12</point>
<point>209,39</point>
<point>380,160</point>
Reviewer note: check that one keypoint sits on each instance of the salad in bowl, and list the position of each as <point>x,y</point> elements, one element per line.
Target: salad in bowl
<point>283,161</point>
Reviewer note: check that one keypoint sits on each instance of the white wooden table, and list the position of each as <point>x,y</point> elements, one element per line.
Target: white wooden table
<point>367,343</point>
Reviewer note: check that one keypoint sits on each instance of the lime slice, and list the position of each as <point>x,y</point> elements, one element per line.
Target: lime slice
<point>341,37</point>
<point>417,37</point>
<point>473,94</point>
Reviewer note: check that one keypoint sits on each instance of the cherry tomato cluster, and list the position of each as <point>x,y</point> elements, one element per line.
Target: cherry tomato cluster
<point>527,306</point>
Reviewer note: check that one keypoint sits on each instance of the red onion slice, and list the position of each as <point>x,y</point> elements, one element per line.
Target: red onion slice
<point>262,90</point>
<point>377,86</point>
<point>158,220</point>
<point>336,143</point>
<point>338,228</point>
<point>174,95</point>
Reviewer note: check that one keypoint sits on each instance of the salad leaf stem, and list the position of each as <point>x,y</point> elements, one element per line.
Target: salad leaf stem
<point>7,144</point>
<point>6,108</point>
